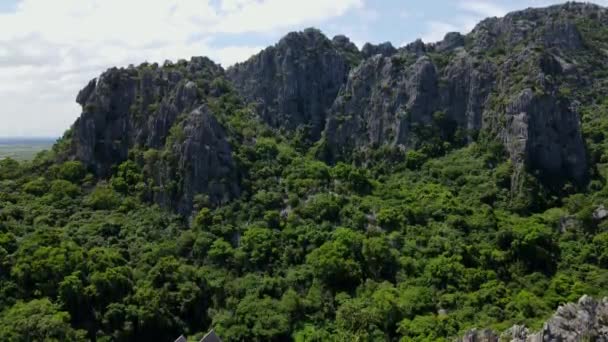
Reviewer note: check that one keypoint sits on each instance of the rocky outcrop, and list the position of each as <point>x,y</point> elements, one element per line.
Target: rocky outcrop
<point>199,161</point>
<point>418,48</point>
<point>543,132</point>
<point>480,336</point>
<point>451,41</point>
<point>553,26</point>
<point>511,79</point>
<point>136,106</point>
<point>385,49</point>
<point>389,100</point>
<point>505,79</point>
<point>383,100</point>
<point>147,108</point>
<point>586,320</point>
<point>294,82</point>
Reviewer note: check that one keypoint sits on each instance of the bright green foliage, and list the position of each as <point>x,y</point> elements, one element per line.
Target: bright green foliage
<point>72,171</point>
<point>103,198</point>
<point>38,320</point>
<point>310,251</point>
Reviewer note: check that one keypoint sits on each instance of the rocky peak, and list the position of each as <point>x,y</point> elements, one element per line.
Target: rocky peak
<point>504,78</point>
<point>451,41</point>
<point>125,107</point>
<point>553,26</point>
<point>385,49</point>
<point>417,47</point>
<point>343,43</point>
<point>586,320</point>
<point>347,49</point>
<point>511,78</point>
<point>143,107</point>
<point>294,82</point>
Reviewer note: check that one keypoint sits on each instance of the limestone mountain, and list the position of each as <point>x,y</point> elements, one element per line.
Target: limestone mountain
<point>295,82</point>
<point>164,110</point>
<point>522,80</point>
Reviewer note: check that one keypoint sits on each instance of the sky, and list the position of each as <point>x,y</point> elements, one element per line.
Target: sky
<point>50,49</point>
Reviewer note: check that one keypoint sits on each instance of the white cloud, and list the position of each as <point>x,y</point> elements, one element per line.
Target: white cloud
<point>483,8</point>
<point>436,30</point>
<point>276,14</point>
<point>234,54</point>
<point>472,11</point>
<point>50,49</point>
<point>233,5</point>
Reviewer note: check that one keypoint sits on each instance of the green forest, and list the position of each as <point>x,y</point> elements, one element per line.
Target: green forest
<point>420,246</point>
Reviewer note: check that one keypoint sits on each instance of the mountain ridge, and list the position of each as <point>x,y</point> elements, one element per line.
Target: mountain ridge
<point>351,102</point>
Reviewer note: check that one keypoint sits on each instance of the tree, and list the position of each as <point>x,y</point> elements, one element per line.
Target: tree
<point>380,259</point>
<point>72,171</point>
<point>37,320</point>
<point>36,187</point>
<point>261,246</point>
<point>254,319</point>
<point>355,178</point>
<point>337,262</point>
<point>43,260</point>
<point>103,197</point>
<point>9,168</point>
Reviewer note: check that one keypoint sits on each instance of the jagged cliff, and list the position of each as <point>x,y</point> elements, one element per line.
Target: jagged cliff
<point>159,109</point>
<point>295,82</point>
<point>503,79</point>
<point>586,320</point>
<point>519,80</point>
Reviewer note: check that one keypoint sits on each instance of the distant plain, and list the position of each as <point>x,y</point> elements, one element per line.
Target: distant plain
<point>24,148</point>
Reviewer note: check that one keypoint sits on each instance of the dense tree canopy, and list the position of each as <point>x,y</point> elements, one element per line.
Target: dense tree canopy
<point>319,252</point>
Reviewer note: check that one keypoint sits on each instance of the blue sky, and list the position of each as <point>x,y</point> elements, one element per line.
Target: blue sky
<point>49,49</point>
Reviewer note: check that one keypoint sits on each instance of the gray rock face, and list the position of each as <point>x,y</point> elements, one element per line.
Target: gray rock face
<point>544,133</point>
<point>201,163</point>
<point>466,86</point>
<point>485,85</point>
<point>132,107</point>
<point>452,40</point>
<point>385,49</point>
<point>511,79</point>
<point>125,107</point>
<point>480,336</point>
<point>600,213</point>
<point>586,320</point>
<point>294,82</point>
<point>102,134</point>
<point>382,101</point>
<point>555,22</point>
<point>386,99</point>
